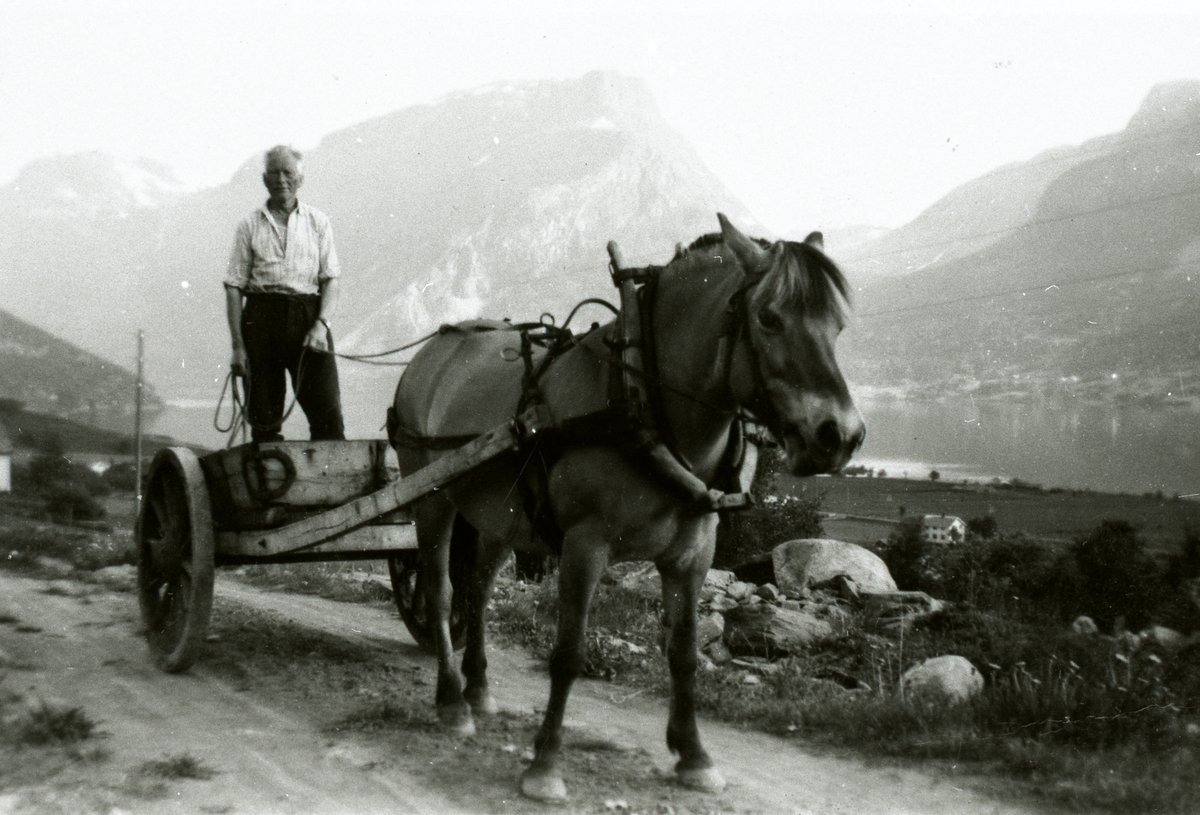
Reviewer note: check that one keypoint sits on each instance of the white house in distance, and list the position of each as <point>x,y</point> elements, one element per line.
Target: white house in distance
<point>6,452</point>
<point>942,529</point>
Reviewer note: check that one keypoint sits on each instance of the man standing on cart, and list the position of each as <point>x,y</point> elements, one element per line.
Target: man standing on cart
<point>281,290</point>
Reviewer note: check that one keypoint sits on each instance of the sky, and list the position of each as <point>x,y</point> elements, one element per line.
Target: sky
<point>816,115</point>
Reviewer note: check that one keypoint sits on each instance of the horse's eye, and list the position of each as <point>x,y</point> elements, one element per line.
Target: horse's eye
<point>770,320</point>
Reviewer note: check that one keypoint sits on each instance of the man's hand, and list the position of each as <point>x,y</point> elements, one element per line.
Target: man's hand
<point>317,338</point>
<point>240,362</point>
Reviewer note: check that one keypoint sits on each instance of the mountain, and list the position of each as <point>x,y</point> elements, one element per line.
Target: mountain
<point>48,376</point>
<point>496,202</point>
<point>1076,273</point>
<point>92,186</point>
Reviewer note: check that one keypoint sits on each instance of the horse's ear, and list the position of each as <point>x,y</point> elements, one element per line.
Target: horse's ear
<point>752,256</point>
<point>816,240</point>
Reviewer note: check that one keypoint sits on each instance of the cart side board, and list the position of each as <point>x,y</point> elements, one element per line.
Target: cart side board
<point>311,532</point>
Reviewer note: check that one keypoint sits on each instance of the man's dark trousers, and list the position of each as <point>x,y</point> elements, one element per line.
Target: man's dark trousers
<point>274,327</point>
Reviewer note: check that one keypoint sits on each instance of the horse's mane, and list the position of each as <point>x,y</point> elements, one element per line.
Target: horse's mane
<point>813,282</point>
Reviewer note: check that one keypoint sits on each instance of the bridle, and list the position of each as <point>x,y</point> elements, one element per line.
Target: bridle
<point>758,410</point>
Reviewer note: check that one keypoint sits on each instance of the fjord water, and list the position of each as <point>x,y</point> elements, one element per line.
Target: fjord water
<point>1128,449</point>
<point>1111,448</point>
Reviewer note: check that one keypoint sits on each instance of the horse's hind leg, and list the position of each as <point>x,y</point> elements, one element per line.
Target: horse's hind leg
<point>579,572</point>
<point>490,556</point>
<point>435,523</point>
<point>681,584</point>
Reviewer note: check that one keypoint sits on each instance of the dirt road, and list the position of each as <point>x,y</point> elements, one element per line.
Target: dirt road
<point>303,705</point>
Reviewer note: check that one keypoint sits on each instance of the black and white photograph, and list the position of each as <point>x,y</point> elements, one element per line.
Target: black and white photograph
<point>618,408</point>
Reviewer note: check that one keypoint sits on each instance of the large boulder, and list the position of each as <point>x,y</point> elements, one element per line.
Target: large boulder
<point>715,582</point>
<point>942,680</point>
<point>767,630</point>
<point>801,564</point>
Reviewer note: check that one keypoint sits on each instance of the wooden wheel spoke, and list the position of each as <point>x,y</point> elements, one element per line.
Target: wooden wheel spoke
<point>158,506</point>
<point>166,556</point>
<point>176,566</point>
<point>160,608</point>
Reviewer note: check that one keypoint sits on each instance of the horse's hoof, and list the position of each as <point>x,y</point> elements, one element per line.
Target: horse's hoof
<point>548,789</point>
<point>707,779</point>
<point>457,719</point>
<point>483,704</point>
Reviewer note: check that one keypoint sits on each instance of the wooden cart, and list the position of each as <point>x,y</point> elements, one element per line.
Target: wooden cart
<point>288,502</point>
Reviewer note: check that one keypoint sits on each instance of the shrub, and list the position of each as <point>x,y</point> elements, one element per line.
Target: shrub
<point>48,472</point>
<point>985,526</point>
<point>1118,577</point>
<point>1017,571</point>
<point>746,535</point>
<point>49,469</point>
<point>121,476</point>
<point>1184,565</point>
<point>46,723</point>
<point>71,501</point>
<point>906,555</point>
<point>1180,608</point>
<point>1008,573</point>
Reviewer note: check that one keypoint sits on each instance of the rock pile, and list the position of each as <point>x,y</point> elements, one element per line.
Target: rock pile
<point>1166,639</point>
<point>803,592</point>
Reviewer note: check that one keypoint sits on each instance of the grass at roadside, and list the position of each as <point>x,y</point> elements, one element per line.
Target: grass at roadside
<point>344,582</point>
<point>36,545</point>
<point>1076,722</point>
<point>1086,723</point>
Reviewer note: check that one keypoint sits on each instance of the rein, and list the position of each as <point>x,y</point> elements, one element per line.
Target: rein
<point>239,415</point>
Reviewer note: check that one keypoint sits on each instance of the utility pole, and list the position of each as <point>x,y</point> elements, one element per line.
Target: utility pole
<point>137,425</point>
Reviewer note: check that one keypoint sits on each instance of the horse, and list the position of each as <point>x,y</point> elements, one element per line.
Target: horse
<point>740,328</point>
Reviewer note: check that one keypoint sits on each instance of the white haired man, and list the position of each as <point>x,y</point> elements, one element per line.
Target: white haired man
<point>281,290</point>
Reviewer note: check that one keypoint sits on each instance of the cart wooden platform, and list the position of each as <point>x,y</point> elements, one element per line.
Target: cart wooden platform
<point>288,502</point>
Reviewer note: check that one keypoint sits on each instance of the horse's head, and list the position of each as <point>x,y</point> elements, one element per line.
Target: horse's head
<point>793,306</point>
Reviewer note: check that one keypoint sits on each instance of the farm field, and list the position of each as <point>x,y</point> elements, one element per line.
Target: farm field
<point>1050,514</point>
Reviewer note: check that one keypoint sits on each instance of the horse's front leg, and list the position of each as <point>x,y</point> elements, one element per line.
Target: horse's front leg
<point>583,561</point>
<point>681,582</point>
<point>435,523</point>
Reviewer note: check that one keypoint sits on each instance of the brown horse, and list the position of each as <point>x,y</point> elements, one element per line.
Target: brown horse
<point>739,327</point>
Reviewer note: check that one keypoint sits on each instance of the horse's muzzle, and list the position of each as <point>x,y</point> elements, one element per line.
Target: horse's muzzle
<point>827,450</point>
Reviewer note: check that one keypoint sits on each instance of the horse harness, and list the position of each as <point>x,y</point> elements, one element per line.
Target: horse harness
<point>634,420</point>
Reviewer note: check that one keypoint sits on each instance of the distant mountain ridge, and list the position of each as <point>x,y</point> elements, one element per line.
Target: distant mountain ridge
<point>49,376</point>
<point>497,201</point>
<point>1076,273</point>
<point>91,185</point>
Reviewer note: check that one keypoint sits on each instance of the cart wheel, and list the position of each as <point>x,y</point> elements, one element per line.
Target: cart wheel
<point>175,558</point>
<point>408,586</point>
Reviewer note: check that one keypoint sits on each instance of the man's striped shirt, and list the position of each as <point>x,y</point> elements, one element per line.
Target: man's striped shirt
<point>266,259</point>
